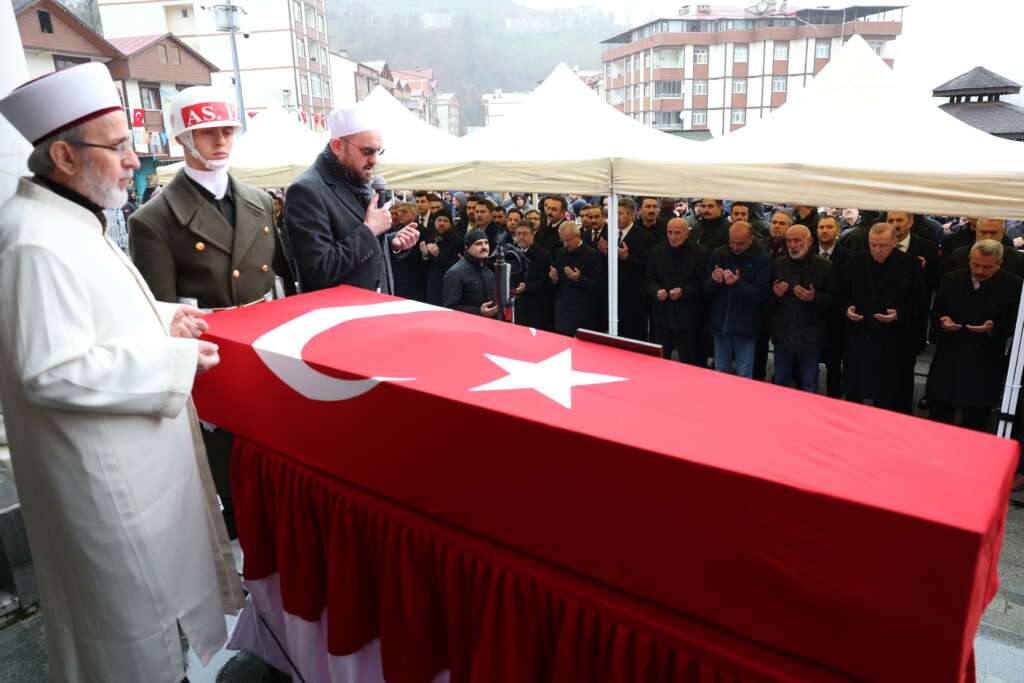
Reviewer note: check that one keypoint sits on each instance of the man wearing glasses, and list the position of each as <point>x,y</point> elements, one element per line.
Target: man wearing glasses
<point>336,232</point>
<point>95,377</point>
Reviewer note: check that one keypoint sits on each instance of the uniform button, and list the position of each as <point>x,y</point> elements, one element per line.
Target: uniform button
<point>236,274</point>
<point>200,246</point>
<point>266,230</point>
<point>264,268</point>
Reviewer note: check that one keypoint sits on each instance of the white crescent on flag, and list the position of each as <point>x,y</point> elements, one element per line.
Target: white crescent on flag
<point>280,349</point>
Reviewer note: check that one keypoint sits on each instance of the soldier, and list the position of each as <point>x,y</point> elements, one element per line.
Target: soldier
<point>207,239</point>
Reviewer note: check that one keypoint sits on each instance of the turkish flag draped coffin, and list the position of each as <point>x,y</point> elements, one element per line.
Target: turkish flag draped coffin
<point>860,539</point>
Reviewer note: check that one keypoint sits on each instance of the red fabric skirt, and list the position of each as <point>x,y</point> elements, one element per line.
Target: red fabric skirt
<point>441,598</point>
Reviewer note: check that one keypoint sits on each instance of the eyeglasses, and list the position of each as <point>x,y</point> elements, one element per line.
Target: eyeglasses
<point>366,151</point>
<point>123,148</point>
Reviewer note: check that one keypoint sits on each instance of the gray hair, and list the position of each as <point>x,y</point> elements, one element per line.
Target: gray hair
<point>39,161</point>
<point>883,229</point>
<point>570,228</point>
<point>998,221</point>
<point>988,248</point>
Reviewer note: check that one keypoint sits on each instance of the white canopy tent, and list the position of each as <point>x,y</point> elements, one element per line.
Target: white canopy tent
<point>853,137</point>
<point>562,138</point>
<point>272,152</point>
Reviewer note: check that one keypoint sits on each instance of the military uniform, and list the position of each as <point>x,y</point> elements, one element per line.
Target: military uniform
<point>222,253</point>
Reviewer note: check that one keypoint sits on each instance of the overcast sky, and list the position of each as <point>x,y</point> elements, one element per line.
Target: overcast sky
<point>941,38</point>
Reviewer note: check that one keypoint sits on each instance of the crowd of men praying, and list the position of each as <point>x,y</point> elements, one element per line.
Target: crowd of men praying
<point>722,284</point>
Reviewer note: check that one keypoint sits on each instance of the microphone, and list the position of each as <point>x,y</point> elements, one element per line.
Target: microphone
<point>380,187</point>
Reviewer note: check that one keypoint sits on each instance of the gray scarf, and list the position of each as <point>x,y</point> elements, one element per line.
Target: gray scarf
<point>363,192</point>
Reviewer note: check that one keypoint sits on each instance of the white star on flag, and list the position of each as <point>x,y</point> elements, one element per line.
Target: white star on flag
<point>553,377</point>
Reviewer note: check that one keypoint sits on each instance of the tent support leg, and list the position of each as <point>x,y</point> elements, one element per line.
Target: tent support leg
<point>1011,392</point>
<point>613,263</point>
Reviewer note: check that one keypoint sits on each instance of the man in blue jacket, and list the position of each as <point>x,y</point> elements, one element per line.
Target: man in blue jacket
<point>737,284</point>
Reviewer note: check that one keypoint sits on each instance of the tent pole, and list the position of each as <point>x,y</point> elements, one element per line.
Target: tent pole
<point>1011,392</point>
<point>613,262</point>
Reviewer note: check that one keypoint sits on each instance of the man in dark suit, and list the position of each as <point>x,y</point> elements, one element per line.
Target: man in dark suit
<point>577,276</point>
<point>335,231</point>
<point>974,314</point>
<point>674,281</point>
<point>634,250</point>
<point>991,229</point>
<point>535,302</point>
<point>832,351</point>
<point>882,295</point>
<point>926,253</point>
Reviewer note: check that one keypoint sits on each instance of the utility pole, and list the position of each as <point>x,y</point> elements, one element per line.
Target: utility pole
<point>227,20</point>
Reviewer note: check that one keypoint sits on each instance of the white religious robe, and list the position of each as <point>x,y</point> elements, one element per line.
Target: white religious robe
<point>116,500</point>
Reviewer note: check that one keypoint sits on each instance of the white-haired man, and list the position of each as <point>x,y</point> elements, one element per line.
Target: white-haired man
<point>95,378</point>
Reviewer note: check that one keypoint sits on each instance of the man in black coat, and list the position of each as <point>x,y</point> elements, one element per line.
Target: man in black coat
<point>334,231</point>
<point>439,254</point>
<point>926,253</point>
<point>674,281</point>
<point>535,301</point>
<point>469,285</point>
<point>882,295</point>
<point>650,219</point>
<point>711,229</point>
<point>633,252</point>
<point>991,229</point>
<point>547,236</point>
<point>579,285</point>
<point>800,306</point>
<point>832,351</point>
<point>974,314</point>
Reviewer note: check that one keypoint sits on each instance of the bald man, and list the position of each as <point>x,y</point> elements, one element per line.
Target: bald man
<point>674,282</point>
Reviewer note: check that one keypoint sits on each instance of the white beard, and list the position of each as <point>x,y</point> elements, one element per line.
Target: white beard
<point>100,190</point>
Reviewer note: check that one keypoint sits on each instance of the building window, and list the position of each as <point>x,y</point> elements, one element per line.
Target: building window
<point>315,86</point>
<point>616,96</point>
<point>781,50</point>
<point>647,58</point>
<point>45,22</point>
<point>739,115</point>
<point>779,84</point>
<point>323,55</point>
<point>65,62</point>
<point>739,86</point>
<point>175,54</point>
<point>297,11</point>
<point>327,88</point>
<point>161,54</point>
<point>876,45</point>
<point>618,67</point>
<point>739,53</point>
<point>310,18</point>
<point>663,89</point>
<point>666,119</point>
<point>304,86</point>
<point>700,87</point>
<point>822,48</point>
<point>700,55</point>
<point>668,59</point>
<point>184,13</point>
<point>700,117</point>
<point>150,95</point>
<point>320,23</point>
<point>300,48</point>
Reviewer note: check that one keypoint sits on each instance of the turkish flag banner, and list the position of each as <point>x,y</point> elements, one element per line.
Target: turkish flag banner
<point>858,539</point>
<point>138,117</point>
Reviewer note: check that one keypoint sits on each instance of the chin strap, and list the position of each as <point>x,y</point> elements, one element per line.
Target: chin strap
<point>188,142</point>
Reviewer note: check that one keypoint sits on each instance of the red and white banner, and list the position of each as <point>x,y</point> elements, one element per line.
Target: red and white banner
<point>208,112</point>
<point>778,516</point>
<point>138,118</point>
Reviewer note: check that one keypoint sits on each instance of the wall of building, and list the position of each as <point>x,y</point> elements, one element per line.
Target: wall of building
<point>267,58</point>
<point>37,63</point>
<point>343,80</point>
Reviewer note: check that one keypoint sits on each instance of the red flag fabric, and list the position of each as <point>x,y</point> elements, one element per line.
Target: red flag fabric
<point>303,115</point>
<point>250,114</point>
<point>855,538</point>
<point>138,117</point>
